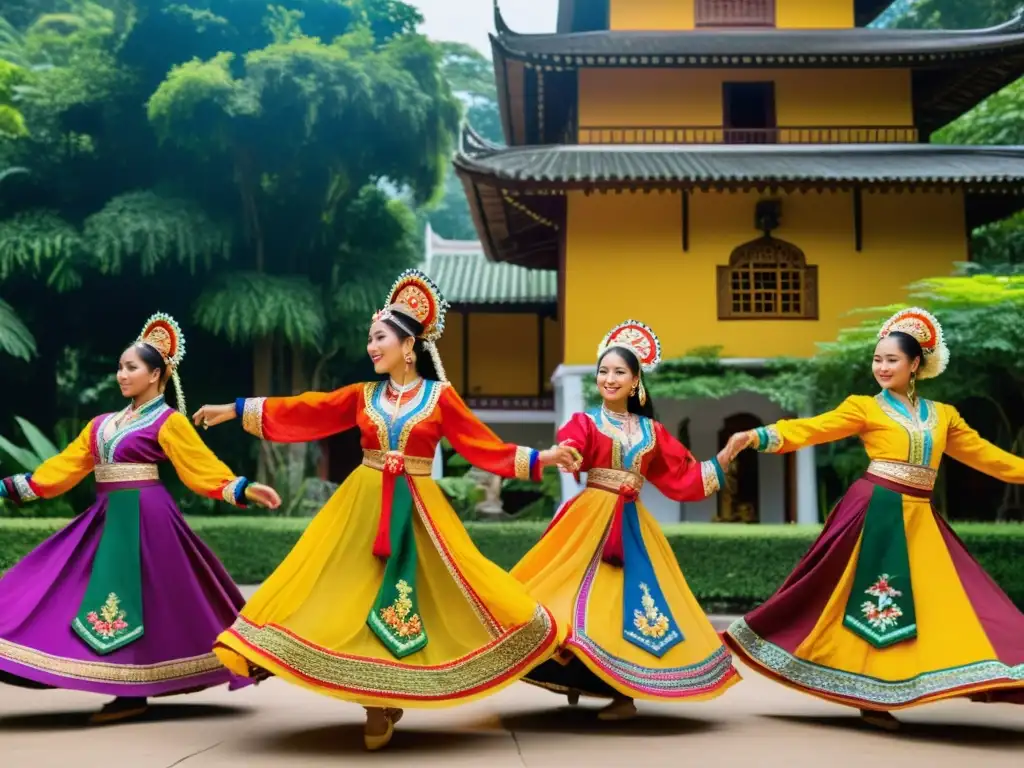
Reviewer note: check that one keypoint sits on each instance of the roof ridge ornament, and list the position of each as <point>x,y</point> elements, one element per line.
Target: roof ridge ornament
<point>499,21</point>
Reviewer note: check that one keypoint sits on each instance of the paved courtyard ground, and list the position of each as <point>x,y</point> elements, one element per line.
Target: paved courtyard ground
<point>754,724</point>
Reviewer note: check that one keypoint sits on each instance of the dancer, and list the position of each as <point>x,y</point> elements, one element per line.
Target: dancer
<point>385,601</point>
<point>125,600</point>
<point>888,610</point>
<point>605,568</point>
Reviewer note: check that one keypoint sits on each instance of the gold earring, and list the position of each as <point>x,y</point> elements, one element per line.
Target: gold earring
<point>912,386</point>
<point>632,391</point>
<point>643,394</point>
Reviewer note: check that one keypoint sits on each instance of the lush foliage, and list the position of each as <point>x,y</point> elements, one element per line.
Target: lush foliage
<point>717,558</point>
<point>254,169</point>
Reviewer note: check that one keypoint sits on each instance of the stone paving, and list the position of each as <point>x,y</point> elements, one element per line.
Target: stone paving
<point>756,723</point>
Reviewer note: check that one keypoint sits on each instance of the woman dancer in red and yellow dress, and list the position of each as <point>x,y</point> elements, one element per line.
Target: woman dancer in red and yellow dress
<point>605,568</point>
<point>385,600</point>
<point>888,610</point>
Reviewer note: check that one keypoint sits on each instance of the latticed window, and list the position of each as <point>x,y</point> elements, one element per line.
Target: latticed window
<point>768,279</point>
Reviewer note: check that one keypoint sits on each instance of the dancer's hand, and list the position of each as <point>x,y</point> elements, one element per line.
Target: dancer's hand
<point>262,495</point>
<point>737,443</point>
<point>559,456</point>
<point>212,415</point>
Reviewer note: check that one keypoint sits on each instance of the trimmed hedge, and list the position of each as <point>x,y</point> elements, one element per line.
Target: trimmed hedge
<point>728,567</point>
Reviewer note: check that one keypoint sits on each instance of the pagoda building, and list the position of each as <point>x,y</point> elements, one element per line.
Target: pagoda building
<point>739,174</point>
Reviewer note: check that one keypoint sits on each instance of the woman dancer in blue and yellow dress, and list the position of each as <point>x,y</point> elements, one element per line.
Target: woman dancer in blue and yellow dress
<point>604,567</point>
<point>888,610</point>
<point>385,601</point>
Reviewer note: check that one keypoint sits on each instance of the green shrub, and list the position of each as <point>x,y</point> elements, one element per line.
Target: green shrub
<point>728,567</point>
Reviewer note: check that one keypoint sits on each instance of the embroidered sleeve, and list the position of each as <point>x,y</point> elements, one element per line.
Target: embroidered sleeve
<point>480,446</point>
<point>678,475</point>
<point>56,475</point>
<point>792,434</point>
<point>964,444</point>
<point>197,466</point>
<point>302,418</point>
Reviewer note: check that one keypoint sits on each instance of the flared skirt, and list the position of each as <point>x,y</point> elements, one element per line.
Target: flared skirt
<point>566,572</point>
<point>308,623</point>
<point>969,639</point>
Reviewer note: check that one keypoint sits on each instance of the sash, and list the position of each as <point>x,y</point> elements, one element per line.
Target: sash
<point>881,605</point>
<point>646,620</point>
<point>394,617</point>
<point>110,616</point>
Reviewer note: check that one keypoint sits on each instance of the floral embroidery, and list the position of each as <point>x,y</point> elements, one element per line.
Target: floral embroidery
<point>884,614</point>
<point>110,621</point>
<point>396,616</point>
<point>651,622</point>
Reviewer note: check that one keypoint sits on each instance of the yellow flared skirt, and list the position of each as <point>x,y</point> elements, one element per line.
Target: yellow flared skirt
<point>308,625</point>
<point>969,635</point>
<point>565,572</point>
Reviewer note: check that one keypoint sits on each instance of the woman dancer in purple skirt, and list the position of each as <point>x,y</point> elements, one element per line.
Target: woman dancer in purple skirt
<point>126,600</point>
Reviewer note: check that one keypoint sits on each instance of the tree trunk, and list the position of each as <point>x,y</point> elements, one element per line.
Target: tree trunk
<point>262,376</point>
<point>297,452</point>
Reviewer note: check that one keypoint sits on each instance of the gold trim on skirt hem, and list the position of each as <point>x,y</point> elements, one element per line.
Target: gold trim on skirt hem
<point>816,679</point>
<point>105,672</point>
<point>462,677</point>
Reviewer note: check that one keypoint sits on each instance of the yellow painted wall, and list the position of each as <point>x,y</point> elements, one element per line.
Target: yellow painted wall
<point>450,347</point>
<point>503,354</point>
<point>628,249</point>
<point>679,14</point>
<point>651,14</point>
<point>693,97</point>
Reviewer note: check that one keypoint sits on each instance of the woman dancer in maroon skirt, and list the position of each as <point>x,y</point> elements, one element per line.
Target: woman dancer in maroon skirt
<point>126,600</point>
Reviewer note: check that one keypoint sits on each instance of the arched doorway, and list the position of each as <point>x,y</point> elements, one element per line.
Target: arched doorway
<point>739,500</point>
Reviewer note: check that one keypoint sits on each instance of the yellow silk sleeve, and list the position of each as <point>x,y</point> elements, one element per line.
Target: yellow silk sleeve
<point>64,471</point>
<point>197,466</point>
<point>793,434</point>
<point>964,444</point>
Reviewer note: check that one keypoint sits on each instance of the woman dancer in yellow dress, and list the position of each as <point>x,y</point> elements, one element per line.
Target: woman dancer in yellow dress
<point>888,610</point>
<point>385,600</point>
<point>605,568</point>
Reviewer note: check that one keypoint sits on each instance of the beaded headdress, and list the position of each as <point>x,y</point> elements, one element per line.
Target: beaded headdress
<point>921,325</point>
<point>163,334</point>
<point>416,296</point>
<point>638,339</point>
<point>641,342</point>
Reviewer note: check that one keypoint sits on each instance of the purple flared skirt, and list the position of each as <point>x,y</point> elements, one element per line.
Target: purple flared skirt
<point>188,599</point>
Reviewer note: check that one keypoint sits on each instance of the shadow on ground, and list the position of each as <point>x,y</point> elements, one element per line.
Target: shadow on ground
<point>158,713</point>
<point>346,739</point>
<point>957,734</point>
<point>583,721</point>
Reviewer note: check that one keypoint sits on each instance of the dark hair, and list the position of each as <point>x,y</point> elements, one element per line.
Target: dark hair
<point>909,346</point>
<point>633,401</point>
<point>153,361</point>
<point>425,367</point>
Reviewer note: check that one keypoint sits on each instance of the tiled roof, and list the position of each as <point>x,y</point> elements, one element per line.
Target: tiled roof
<point>467,277</point>
<point>789,46</point>
<point>609,165</point>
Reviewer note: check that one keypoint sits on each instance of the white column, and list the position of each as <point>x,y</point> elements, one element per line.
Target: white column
<point>437,470</point>
<point>806,484</point>
<point>568,383</point>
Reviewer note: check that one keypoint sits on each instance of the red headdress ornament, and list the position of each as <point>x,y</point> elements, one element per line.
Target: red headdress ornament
<point>163,334</point>
<point>414,295</point>
<point>638,339</point>
<point>923,326</point>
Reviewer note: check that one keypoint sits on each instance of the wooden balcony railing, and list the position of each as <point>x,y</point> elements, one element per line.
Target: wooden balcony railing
<point>734,13</point>
<point>868,134</point>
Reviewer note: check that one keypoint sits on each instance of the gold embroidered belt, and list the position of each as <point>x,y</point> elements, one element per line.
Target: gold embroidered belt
<point>626,486</point>
<point>125,473</point>
<point>911,475</point>
<point>614,480</point>
<point>396,463</point>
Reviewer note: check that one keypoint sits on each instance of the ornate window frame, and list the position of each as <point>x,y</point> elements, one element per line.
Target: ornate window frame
<point>772,272</point>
